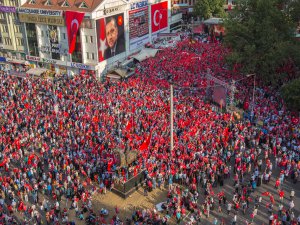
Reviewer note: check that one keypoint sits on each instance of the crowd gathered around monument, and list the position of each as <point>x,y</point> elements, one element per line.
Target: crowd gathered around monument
<point>59,138</point>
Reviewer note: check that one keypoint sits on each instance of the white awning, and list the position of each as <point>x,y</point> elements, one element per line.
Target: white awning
<point>145,54</point>
<point>213,20</point>
<point>18,61</point>
<point>36,71</point>
<point>113,76</point>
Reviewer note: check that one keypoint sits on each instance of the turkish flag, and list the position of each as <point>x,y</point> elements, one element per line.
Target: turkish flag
<point>102,46</point>
<point>295,120</point>
<point>266,193</point>
<point>73,21</point>
<point>128,126</point>
<point>146,143</point>
<point>159,16</point>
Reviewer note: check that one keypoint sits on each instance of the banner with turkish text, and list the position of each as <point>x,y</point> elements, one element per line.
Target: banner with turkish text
<point>73,21</point>
<point>138,27</point>
<point>159,16</point>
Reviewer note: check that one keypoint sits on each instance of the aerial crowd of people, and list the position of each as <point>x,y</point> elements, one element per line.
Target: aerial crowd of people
<point>59,139</point>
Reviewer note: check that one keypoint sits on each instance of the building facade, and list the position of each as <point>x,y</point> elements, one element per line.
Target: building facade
<point>12,42</point>
<point>110,31</point>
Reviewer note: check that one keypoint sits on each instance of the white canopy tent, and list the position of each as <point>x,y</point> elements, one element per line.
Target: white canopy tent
<point>145,54</point>
<point>213,21</point>
<point>36,71</point>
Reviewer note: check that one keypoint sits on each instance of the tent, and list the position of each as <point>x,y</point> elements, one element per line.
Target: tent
<point>145,54</point>
<point>36,71</point>
<point>119,73</point>
<point>213,21</point>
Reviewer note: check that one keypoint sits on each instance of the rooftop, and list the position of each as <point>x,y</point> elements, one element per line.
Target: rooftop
<point>65,5</point>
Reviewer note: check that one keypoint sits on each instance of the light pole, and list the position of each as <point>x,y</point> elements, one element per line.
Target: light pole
<point>170,80</point>
<point>253,94</point>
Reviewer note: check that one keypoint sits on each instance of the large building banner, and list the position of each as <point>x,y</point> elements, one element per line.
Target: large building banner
<point>159,16</point>
<point>138,24</point>
<point>54,45</point>
<point>110,36</point>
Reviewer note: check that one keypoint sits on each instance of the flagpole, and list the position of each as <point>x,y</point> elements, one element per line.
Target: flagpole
<point>171,115</point>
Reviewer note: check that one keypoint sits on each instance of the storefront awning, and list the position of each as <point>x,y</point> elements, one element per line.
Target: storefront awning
<point>18,61</point>
<point>145,54</point>
<point>36,71</point>
<point>119,73</point>
<point>2,59</point>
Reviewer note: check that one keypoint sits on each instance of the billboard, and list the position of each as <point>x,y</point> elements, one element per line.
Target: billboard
<point>54,45</point>
<point>7,9</point>
<point>110,36</point>
<point>138,24</point>
<point>159,16</point>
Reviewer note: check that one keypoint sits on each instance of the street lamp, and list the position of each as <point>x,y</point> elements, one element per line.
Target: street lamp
<point>170,80</point>
<point>253,92</point>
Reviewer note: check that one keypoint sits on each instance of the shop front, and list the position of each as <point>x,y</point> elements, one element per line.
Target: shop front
<point>2,63</point>
<point>18,65</point>
<point>60,67</point>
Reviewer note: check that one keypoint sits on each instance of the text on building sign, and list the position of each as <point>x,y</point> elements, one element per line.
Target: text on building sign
<point>42,12</point>
<point>138,5</point>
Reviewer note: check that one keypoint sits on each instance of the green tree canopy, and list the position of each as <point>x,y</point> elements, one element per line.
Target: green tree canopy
<point>261,37</point>
<point>291,94</point>
<point>209,8</point>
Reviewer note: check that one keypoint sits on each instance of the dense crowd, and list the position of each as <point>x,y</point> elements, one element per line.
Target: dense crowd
<point>59,139</point>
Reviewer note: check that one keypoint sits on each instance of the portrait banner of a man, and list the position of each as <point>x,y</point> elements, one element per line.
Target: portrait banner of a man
<point>110,36</point>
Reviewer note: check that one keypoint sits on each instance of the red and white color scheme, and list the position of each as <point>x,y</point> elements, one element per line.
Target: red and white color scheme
<point>159,16</point>
<point>102,38</point>
<point>73,21</point>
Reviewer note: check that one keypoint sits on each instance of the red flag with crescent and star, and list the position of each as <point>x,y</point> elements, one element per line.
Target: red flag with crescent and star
<point>102,46</point>
<point>73,21</point>
<point>159,16</point>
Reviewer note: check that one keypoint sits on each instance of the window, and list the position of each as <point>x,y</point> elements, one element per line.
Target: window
<point>65,4</point>
<point>83,5</point>
<point>91,38</point>
<point>93,56</point>
<point>64,36</point>
<point>7,41</point>
<point>86,39</point>
<point>48,2</point>
<point>42,33</point>
<point>5,28</point>
<point>87,55</point>
<point>32,2</point>
<point>20,41</point>
<point>12,2</point>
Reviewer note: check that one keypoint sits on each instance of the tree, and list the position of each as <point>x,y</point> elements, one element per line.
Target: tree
<point>291,94</point>
<point>209,8</point>
<point>260,36</point>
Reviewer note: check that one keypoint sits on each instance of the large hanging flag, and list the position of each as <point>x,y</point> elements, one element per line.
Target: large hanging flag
<point>102,46</point>
<point>73,21</point>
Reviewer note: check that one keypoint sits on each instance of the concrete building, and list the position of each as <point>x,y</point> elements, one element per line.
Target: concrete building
<point>11,32</point>
<point>138,22</point>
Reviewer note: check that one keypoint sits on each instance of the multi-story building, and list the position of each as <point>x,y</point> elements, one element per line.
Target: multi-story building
<point>134,24</point>
<point>11,32</point>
